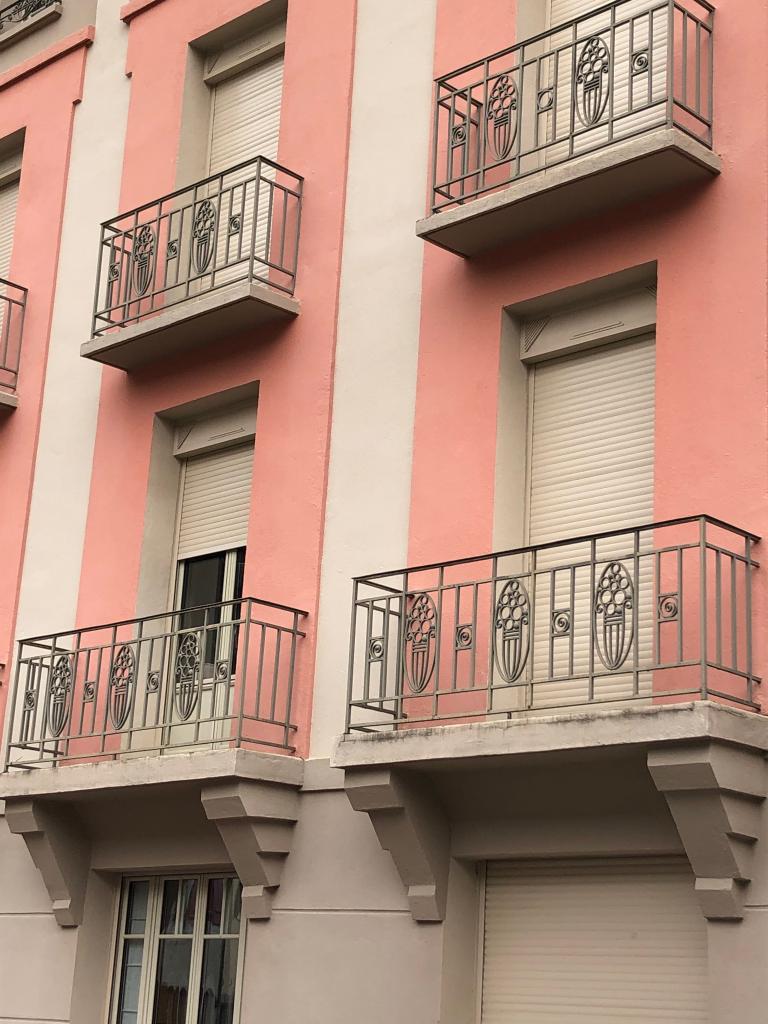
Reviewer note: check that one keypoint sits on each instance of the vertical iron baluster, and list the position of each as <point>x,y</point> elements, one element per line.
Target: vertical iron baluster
<point>351,659</point>
<point>718,609</point>
<point>590,623</point>
<point>636,616</point>
<point>456,621</point>
<point>492,634</point>
<point>438,641</point>
<point>680,604</point>
<point>734,616</point>
<point>703,609</point>
<point>748,614</point>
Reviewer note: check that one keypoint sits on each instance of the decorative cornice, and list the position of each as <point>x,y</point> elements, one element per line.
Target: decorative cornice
<point>130,10</point>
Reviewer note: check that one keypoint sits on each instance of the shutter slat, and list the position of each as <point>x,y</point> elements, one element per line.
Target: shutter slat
<point>246,116</point>
<point>619,940</point>
<point>9,195</point>
<point>215,501</point>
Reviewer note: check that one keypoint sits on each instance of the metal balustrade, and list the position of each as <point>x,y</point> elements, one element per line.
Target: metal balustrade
<point>22,10</point>
<point>657,614</point>
<point>620,71</point>
<point>215,676</point>
<point>240,225</point>
<point>13,304</point>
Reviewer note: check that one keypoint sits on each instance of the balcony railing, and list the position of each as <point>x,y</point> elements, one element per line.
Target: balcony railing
<point>655,614</point>
<point>22,10</point>
<point>13,304</point>
<point>240,225</point>
<point>216,676</point>
<point>618,72</point>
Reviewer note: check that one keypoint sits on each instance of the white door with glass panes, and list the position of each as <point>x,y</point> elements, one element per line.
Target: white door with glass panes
<point>179,951</point>
<point>214,508</point>
<point>245,124</point>
<point>590,471</point>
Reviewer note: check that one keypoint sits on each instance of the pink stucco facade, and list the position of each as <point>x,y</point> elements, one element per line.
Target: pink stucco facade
<point>381,797</point>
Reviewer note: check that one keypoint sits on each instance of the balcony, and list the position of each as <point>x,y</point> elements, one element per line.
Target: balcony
<point>211,678</point>
<point>607,109</point>
<point>649,615</point>
<point>24,16</point>
<point>13,304</point>
<point>201,264</point>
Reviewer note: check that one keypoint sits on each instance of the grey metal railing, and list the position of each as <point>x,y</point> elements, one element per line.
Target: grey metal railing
<point>13,305</point>
<point>219,675</point>
<point>658,613</point>
<point>22,10</point>
<point>624,69</point>
<point>240,225</point>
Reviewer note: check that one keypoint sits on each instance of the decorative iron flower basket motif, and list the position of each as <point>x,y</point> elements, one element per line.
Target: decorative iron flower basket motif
<point>143,259</point>
<point>502,117</point>
<point>204,232</point>
<point>121,682</point>
<point>420,632</point>
<point>60,695</point>
<point>614,615</point>
<point>512,633</point>
<point>592,83</point>
<point>187,672</point>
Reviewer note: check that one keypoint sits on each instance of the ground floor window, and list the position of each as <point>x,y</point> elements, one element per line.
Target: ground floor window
<point>178,951</point>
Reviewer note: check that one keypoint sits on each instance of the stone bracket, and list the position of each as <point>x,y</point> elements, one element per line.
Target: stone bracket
<point>255,820</point>
<point>411,825</point>
<point>59,851</point>
<point>715,792</point>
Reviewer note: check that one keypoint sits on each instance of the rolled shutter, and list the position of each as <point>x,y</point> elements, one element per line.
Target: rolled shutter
<point>590,470</point>
<point>9,195</point>
<point>245,121</point>
<point>215,501</point>
<point>593,940</point>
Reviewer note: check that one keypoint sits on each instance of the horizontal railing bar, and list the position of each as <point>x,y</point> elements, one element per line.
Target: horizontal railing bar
<point>551,545</point>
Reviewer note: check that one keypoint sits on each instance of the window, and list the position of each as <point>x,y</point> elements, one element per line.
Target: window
<point>178,951</point>
<point>210,580</point>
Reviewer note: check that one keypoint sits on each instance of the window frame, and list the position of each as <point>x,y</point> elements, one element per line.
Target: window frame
<point>152,937</point>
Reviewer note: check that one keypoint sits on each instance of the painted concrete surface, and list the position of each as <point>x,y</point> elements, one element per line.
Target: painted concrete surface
<point>370,461</point>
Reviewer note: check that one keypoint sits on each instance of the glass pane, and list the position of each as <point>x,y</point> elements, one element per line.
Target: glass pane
<point>234,888</point>
<point>130,981</point>
<point>188,901</point>
<point>168,913</point>
<point>217,985</point>
<point>136,915</point>
<point>214,906</point>
<point>172,984</point>
<point>203,585</point>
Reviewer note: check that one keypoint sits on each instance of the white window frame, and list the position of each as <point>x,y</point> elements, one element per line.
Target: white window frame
<point>151,938</point>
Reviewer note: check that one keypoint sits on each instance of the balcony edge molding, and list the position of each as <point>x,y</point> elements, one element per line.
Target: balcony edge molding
<point>256,821</point>
<point>59,851</point>
<point>716,793</point>
<point>228,311</point>
<point>8,402</point>
<point>411,826</point>
<point>646,165</point>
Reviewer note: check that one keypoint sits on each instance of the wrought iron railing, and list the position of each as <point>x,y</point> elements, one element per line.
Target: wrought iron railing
<point>219,675</point>
<point>22,10</point>
<point>240,225</point>
<point>13,304</point>
<point>658,613</point>
<point>620,71</point>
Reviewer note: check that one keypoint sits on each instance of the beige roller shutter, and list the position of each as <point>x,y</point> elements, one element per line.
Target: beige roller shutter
<point>595,940</point>
<point>590,465</point>
<point>9,195</point>
<point>565,10</point>
<point>215,501</point>
<point>245,119</point>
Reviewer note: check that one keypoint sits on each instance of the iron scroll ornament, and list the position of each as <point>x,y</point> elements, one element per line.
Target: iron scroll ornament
<point>592,85</point>
<point>512,630</point>
<point>188,661</point>
<point>502,117</point>
<point>121,685</point>
<point>60,695</point>
<point>614,615</point>
<point>419,642</point>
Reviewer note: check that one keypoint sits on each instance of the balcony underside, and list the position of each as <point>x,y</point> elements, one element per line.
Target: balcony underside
<point>583,187</point>
<point>200,320</point>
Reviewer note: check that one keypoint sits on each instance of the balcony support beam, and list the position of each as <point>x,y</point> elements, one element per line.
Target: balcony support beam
<point>411,825</point>
<point>60,852</point>
<point>255,820</point>
<point>716,795</point>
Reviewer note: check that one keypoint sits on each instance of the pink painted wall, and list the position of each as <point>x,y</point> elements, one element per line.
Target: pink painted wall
<point>711,339</point>
<point>40,97</point>
<point>293,364</point>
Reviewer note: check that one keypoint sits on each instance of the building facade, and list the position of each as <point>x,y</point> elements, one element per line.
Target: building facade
<point>293,292</point>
